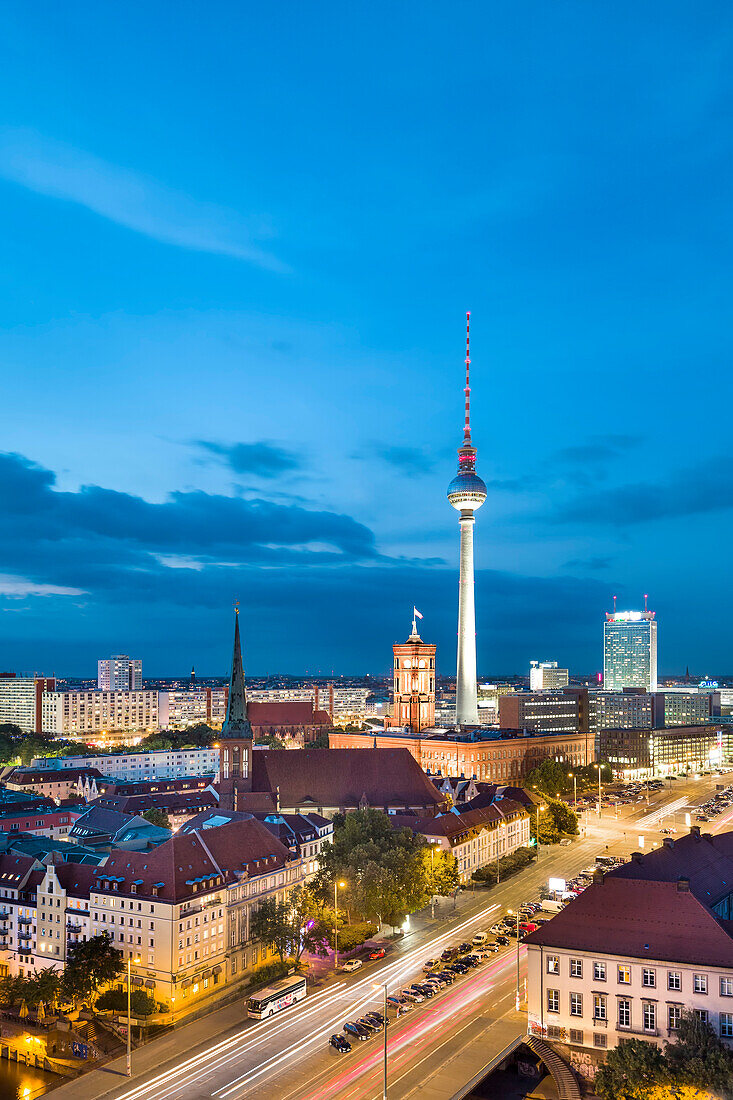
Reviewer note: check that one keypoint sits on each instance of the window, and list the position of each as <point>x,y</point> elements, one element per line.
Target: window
<point>700,983</point>
<point>624,975</point>
<point>576,1004</point>
<point>599,1040</point>
<point>599,972</point>
<point>576,1036</point>
<point>674,979</point>
<point>726,987</point>
<point>553,1000</point>
<point>553,964</point>
<point>624,1013</point>
<point>702,1014</point>
<point>726,1024</point>
<point>599,1006</point>
<point>648,978</point>
<point>649,1014</point>
<point>673,1017</point>
<point>576,968</point>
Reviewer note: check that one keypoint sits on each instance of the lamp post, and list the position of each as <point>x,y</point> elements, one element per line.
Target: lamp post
<point>130,961</point>
<point>541,806</point>
<point>517,997</point>
<point>336,922</point>
<point>501,826</point>
<point>432,878</point>
<point>598,766</point>
<point>573,776</point>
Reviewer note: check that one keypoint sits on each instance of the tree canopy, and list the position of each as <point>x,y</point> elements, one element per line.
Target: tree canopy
<point>555,820</point>
<point>158,817</point>
<point>92,964</point>
<point>552,778</point>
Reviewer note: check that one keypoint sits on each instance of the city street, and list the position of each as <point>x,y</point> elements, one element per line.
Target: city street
<point>441,1043</point>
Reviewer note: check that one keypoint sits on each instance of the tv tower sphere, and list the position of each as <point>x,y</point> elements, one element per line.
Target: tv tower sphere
<point>466,493</point>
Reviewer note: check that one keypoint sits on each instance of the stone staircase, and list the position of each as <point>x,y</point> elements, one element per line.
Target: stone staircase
<point>561,1073</point>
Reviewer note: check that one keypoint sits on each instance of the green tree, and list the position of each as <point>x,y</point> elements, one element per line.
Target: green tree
<point>157,817</point>
<point>699,1057</point>
<point>548,778</point>
<point>630,1070</point>
<point>42,985</point>
<point>555,819</point>
<point>271,924</point>
<point>440,870</point>
<point>319,742</point>
<point>270,741</point>
<point>34,745</point>
<point>11,989</point>
<point>92,964</point>
<point>115,1000</point>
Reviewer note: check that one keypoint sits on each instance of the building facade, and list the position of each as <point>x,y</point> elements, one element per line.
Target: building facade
<point>120,673</point>
<point>156,764</point>
<point>630,650</point>
<point>21,700</point>
<point>546,676</point>
<point>77,714</point>
<point>546,711</point>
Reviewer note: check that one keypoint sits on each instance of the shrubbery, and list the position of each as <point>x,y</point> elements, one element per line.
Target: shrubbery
<point>354,935</point>
<point>141,1002</point>
<point>508,865</point>
<point>270,972</point>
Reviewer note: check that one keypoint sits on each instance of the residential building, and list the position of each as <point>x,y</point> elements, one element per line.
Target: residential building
<point>21,699</point>
<point>56,784</point>
<point>637,947</point>
<point>413,705</point>
<point>181,708</point>
<point>155,764</point>
<point>302,834</point>
<point>180,806</point>
<point>120,673</point>
<point>546,712</point>
<point>80,714</point>
<point>53,823</point>
<point>546,676</point>
<point>344,704</point>
<point>633,708</point>
<point>475,837</point>
<point>630,650</point>
<point>500,756</point>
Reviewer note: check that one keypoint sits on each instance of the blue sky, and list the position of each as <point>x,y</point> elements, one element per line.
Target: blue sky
<point>237,246</point>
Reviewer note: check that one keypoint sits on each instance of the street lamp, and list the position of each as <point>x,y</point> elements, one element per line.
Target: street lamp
<point>336,922</point>
<point>502,826</point>
<point>433,842</point>
<point>517,997</point>
<point>598,766</point>
<point>130,961</point>
<point>573,776</point>
<point>541,806</point>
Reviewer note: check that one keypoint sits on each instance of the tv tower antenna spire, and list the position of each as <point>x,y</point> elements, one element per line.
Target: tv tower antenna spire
<point>467,427</point>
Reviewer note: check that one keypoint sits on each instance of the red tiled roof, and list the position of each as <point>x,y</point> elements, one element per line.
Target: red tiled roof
<point>76,878</point>
<point>454,825</point>
<point>51,775</point>
<point>291,712</point>
<point>706,860</point>
<point>196,858</point>
<point>171,801</point>
<point>342,777</point>
<point>639,920</point>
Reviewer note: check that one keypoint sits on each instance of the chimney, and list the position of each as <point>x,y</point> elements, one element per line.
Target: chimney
<point>637,857</point>
<point>598,877</point>
<point>683,885</point>
<point>668,842</point>
<point>695,831</point>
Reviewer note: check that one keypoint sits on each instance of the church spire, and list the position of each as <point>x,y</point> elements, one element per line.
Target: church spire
<point>237,724</point>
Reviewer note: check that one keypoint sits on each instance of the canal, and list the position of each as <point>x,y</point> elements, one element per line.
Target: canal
<point>19,1082</point>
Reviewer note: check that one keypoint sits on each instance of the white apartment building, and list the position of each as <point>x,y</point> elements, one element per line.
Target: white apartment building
<point>184,707</point>
<point>546,676</point>
<point>157,764</point>
<point>79,713</point>
<point>21,700</point>
<point>120,673</point>
<point>636,948</point>
<point>344,704</point>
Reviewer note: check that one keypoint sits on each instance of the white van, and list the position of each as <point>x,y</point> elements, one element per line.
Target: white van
<point>480,937</point>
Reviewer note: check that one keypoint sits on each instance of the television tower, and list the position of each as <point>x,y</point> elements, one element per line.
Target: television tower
<point>466,493</point>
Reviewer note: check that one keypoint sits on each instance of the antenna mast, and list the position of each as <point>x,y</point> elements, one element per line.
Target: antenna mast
<point>467,428</point>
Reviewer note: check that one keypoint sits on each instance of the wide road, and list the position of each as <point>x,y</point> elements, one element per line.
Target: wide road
<point>287,1057</point>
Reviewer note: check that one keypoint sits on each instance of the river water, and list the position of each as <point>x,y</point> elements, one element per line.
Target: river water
<point>19,1082</point>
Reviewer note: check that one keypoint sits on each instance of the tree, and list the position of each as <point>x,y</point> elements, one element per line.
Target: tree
<point>42,985</point>
<point>157,817</point>
<point>93,964</point>
<point>630,1070</point>
<point>699,1057</point>
<point>441,871</point>
<point>319,742</point>
<point>271,924</point>
<point>555,819</point>
<point>115,1000</point>
<point>549,778</point>
<point>270,741</point>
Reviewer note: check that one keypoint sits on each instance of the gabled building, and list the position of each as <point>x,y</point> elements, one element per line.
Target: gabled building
<point>302,834</point>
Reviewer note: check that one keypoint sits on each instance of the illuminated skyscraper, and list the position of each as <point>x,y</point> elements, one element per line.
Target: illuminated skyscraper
<point>466,493</point>
<point>630,650</point>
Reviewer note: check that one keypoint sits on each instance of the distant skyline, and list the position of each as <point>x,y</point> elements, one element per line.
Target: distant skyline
<point>237,250</point>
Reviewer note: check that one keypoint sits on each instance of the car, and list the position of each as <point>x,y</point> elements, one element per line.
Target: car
<point>400,1003</point>
<point>489,948</point>
<point>425,988</point>
<point>503,941</point>
<point>436,981</point>
<point>463,947</point>
<point>457,968</point>
<point>339,1043</point>
<point>373,1025</point>
<point>413,995</point>
<point>471,960</point>
<point>448,954</point>
<point>351,965</point>
<point>447,976</point>
<point>377,953</point>
<point>480,937</point>
<point>430,964</point>
<point>358,1031</point>
<point>376,1016</point>
<point>496,928</point>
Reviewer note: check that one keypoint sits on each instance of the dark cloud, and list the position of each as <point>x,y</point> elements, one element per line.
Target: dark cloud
<point>593,565</point>
<point>706,487</point>
<point>596,452</point>
<point>265,460</point>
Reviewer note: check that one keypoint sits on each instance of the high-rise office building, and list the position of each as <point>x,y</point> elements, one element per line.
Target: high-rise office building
<point>466,493</point>
<point>546,676</point>
<point>120,673</point>
<point>630,650</point>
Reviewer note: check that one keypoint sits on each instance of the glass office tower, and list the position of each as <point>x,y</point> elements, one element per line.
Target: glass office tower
<point>630,651</point>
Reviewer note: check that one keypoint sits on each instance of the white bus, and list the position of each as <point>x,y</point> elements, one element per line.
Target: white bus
<point>276,997</point>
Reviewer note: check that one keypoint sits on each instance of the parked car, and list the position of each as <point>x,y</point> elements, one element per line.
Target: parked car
<point>343,1046</point>
<point>447,976</point>
<point>490,947</point>
<point>374,1016</point>
<point>395,1002</point>
<point>448,954</point>
<point>463,947</point>
<point>430,964</point>
<point>480,937</point>
<point>358,1031</point>
<point>377,953</point>
<point>351,965</point>
<point>426,988</point>
<point>413,995</point>
<point>471,960</point>
<point>457,968</point>
<point>436,981</point>
<point>373,1025</point>
<point>503,941</point>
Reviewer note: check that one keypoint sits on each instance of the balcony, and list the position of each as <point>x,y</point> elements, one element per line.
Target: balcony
<point>5,915</point>
<point>25,920</point>
<point>25,935</point>
<point>73,926</point>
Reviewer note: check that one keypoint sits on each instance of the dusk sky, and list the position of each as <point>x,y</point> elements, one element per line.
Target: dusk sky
<point>238,243</point>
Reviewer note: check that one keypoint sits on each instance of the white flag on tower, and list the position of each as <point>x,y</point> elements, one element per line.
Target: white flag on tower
<point>416,613</point>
